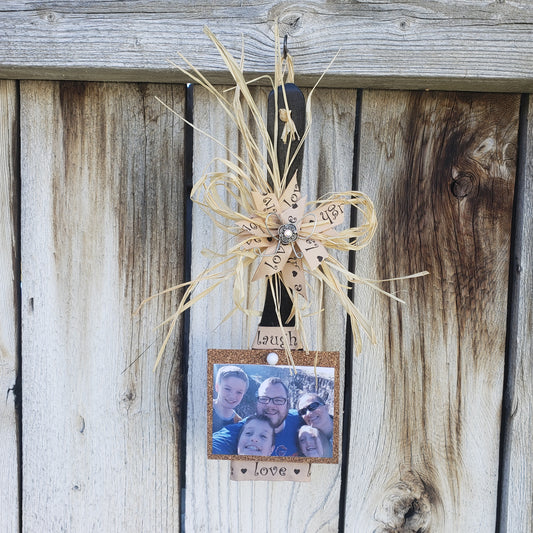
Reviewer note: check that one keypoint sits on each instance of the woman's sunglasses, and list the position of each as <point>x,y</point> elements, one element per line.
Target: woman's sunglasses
<point>311,407</point>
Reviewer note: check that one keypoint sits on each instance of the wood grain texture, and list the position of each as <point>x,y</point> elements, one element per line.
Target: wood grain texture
<point>9,304</point>
<point>213,503</point>
<point>415,44</point>
<point>426,409</point>
<point>102,223</point>
<point>517,475</point>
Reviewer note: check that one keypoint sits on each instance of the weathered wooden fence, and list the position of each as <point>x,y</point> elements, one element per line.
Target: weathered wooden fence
<point>437,431</point>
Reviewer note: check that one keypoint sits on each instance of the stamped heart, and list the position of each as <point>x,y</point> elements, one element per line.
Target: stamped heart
<point>244,470</point>
<point>294,273</point>
<point>296,471</point>
<point>320,258</point>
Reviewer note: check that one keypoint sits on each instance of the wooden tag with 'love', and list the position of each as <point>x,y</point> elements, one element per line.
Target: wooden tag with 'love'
<point>268,471</point>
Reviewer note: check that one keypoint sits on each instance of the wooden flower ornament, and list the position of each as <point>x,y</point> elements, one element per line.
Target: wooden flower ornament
<point>286,237</point>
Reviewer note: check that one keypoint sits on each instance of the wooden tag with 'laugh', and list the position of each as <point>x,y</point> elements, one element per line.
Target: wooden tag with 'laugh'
<point>273,338</point>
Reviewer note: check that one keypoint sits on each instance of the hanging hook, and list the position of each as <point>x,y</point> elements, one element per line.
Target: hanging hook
<point>285,49</point>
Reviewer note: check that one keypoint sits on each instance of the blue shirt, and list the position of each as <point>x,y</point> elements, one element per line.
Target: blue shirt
<point>219,422</point>
<point>286,441</point>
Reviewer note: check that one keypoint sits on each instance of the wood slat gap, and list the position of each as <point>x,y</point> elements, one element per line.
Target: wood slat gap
<point>511,514</point>
<point>10,330</point>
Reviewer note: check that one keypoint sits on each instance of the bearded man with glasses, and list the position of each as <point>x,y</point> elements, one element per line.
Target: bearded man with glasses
<point>272,402</point>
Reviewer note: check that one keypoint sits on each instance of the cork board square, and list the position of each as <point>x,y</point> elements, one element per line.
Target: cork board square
<point>273,412</point>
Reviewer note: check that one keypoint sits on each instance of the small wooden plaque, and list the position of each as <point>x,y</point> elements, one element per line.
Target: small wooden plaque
<point>269,471</point>
<point>272,338</point>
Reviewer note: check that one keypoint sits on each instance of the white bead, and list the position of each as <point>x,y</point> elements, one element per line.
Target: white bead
<point>272,358</point>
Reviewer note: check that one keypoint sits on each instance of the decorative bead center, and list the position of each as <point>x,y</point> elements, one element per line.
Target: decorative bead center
<point>287,233</point>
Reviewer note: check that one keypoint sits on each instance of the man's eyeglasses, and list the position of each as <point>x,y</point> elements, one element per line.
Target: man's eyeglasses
<point>278,400</point>
<point>311,407</point>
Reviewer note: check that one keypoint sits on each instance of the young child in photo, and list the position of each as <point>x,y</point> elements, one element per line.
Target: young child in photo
<point>256,437</point>
<point>231,385</point>
<point>313,443</point>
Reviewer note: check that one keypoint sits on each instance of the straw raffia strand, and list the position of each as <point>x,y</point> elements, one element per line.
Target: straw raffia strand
<point>230,200</point>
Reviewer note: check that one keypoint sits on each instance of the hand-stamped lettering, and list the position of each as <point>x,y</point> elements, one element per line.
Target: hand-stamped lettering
<point>332,213</point>
<point>268,204</point>
<point>265,472</point>
<point>273,338</point>
<point>311,244</point>
<point>251,226</point>
<point>259,471</point>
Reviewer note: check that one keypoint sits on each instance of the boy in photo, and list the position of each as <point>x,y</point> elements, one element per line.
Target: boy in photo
<point>231,385</point>
<point>256,437</point>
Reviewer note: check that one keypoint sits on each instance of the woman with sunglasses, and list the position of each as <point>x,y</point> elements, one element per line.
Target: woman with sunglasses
<point>314,411</point>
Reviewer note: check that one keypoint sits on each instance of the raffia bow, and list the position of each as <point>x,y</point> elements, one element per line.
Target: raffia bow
<point>271,222</point>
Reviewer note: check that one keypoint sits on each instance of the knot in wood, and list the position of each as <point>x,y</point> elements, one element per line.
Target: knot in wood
<point>290,24</point>
<point>462,185</point>
<point>49,16</point>
<point>127,398</point>
<point>406,507</point>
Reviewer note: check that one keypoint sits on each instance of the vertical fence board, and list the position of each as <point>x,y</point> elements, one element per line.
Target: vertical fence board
<point>427,398</point>
<point>213,503</point>
<point>9,326</point>
<point>517,489</point>
<point>102,198</point>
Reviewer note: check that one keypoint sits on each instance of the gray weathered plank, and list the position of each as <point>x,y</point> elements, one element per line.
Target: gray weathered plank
<point>9,303</point>
<point>102,197</point>
<point>248,505</point>
<point>479,45</point>
<point>427,398</point>
<point>517,478</point>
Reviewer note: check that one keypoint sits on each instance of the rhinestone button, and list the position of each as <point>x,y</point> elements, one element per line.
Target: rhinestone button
<point>287,233</point>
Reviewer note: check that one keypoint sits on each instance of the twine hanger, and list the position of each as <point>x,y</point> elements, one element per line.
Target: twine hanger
<point>290,131</point>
